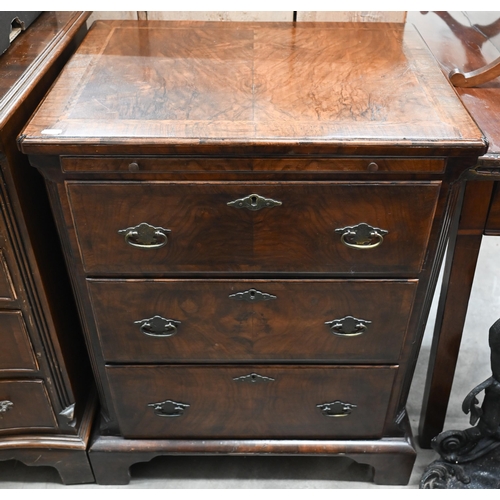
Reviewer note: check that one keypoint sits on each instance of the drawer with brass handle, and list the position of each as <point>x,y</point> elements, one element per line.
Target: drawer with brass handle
<point>250,401</point>
<point>156,321</point>
<point>166,228</point>
<point>25,404</point>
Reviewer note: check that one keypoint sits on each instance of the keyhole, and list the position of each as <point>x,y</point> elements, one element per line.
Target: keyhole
<point>252,295</point>
<point>253,377</point>
<point>253,200</point>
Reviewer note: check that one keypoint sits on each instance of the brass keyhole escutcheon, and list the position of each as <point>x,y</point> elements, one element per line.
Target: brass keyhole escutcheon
<point>254,202</point>
<point>252,295</point>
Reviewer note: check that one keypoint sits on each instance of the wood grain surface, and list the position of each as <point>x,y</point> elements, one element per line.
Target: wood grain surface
<point>468,41</point>
<point>392,463</point>
<point>31,407</point>
<point>222,407</point>
<point>209,235</point>
<point>248,84</point>
<point>155,165</point>
<point>214,326</point>
<point>484,104</point>
<point>17,352</point>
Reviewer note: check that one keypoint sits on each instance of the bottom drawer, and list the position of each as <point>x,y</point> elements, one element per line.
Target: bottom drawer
<point>258,401</point>
<point>24,404</point>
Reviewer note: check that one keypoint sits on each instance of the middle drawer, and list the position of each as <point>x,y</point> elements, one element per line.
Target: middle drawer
<point>155,321</point>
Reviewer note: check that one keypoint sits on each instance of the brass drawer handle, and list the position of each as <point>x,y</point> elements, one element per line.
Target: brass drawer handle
<point>362,236</point>
<point>145,236</point>
<point>169,408</point>
<point>254,202</point>
<point>336,409</point>
<point>158,326</point>
<point>252,295</point>
<point>5,406</point>
<point>348,326</point>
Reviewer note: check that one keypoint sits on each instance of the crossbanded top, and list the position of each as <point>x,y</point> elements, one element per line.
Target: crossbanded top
<point>172,87</point>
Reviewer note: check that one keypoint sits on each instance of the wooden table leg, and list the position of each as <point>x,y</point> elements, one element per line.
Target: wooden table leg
<point>460,265</point>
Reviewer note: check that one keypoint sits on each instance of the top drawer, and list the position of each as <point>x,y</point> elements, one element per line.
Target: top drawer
<point>131,228</point>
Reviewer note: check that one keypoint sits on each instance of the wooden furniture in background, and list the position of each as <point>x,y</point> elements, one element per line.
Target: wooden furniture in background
<point>45,405</point>
<point>254,217</point>
<point>467,41</point>
<point>476,77</point>
<point>254,16</point>
<point>352,16</point>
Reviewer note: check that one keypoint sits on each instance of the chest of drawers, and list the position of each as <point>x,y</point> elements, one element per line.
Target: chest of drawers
<point>46,408</point>
<point>253,216</point>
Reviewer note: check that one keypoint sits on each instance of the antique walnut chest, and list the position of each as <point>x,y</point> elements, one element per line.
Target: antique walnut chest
<point>46,402</point>
<point>253,216</point>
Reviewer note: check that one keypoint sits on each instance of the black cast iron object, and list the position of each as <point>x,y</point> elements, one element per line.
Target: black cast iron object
<point>471,458</point>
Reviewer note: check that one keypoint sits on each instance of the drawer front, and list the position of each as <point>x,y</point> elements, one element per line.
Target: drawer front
<point>16,352</point>
<point>25,404</point>
<point>160,227</point>
<point>193,165</point>
<point>157,321</point>
<point>250,401</point>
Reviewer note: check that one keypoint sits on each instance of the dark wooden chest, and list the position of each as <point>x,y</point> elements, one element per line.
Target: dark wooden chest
<point>254,216</point>
<point>46,402</point>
